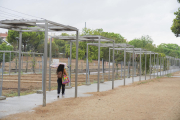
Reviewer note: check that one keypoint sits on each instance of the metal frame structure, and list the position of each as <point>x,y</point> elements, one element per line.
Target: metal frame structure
<point>144,52</point>
<point>131,50</point>
<point>123,46</point>
<point>85,38</point>
<point>46,26</point>
<point>65,38</point>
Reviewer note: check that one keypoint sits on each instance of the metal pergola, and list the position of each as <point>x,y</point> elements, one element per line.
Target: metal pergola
<point>70,39</point>
<point>46,26</point>
<point>136,51</point>
<point>86,38</point>
<point>111,46</point>
<point>143,51</point>
<point>95,38</point>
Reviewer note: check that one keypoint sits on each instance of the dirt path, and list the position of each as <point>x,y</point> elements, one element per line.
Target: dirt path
<point>157,99</point>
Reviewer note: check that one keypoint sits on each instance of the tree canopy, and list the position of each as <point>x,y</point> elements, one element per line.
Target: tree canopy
<point>176,22</point>
<point>30,40</point>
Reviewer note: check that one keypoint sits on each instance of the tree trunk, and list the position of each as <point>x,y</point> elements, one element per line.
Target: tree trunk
<point>24,47</point>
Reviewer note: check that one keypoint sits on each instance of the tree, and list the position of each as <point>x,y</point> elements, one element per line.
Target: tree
<point>30,40</point>
<point>176,23</point>
<point>1,40</point>
<point>169,49</point>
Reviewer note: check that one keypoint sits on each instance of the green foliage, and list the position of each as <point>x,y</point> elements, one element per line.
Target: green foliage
<point>4,46</point>
<point>176,22</point>
<point>31,40</point>
<point>143,42</point>
<point>169,49</point>
<point>93,50</point>
<point>54,49</point>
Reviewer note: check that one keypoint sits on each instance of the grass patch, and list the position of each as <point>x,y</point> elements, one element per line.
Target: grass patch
<point>15,93</point>
<point>169,75</point>
<point>146,81</point>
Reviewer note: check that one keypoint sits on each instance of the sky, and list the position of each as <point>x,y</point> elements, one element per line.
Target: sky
<point>130,18</point>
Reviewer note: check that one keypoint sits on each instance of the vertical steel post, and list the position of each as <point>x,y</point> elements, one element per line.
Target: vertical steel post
<point>154,66</point>
<point>125,66</point>
<point>98,64</point>
<point>113,68</point>
<point>22,61</point>
<point>157,63</point>
<point>150,65</point>
<point>160,65</point>
<point>42,71</point>
<point>140,66</point>
<point>50,55</point>
<point>33,63</point>
<point>27,64</point>
<point>102,71</point>
<point>88,72</point>
<point>69,70</point>
<point>19,70</point>
<point>45,63</point>
<point>10,64</point>
<point>145,64</point>
<point>76,74</point>
<point>121,68</point>
<point>86,63</point>
<point>133,67</point>
<point>70,61</point>
<point>16,62</point>
<point>109,64</point>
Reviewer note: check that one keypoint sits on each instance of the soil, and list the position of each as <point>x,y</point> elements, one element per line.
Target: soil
<point>33,82</point>
<point>156,99</point>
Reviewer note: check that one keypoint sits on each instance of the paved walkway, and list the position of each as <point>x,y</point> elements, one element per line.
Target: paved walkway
<point>14,105</point>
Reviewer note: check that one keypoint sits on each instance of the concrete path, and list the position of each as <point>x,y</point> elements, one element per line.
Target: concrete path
<point>25,103</point>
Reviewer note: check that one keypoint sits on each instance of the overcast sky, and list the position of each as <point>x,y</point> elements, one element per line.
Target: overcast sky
<point>130,18</point>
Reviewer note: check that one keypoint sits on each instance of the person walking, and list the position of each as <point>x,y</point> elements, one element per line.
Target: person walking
<point>60,73</point>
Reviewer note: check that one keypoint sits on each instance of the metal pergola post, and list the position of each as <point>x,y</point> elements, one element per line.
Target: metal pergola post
<point>10,64</point>
<point>145,65</point>
<point>70,62</point>
<point>45,63</point>
<point>76,74</point>
<point>113,68</point>
<point>140,67</point>
<point>133,67</point>
<point>160,65</point>
<point>87,63</point>
<point>150,65</point>
<point>109,64</point>
<point>98,64</point>
<point>50,55</point>
<point>125,66</point>
<point>87,67</point>
<point>22,60</point>
<point>157,65</point>
<point>154,65</point>
<point>19,69</point>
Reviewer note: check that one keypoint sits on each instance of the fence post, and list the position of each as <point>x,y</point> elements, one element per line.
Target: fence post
<point>102,81</point>
<point>10,64</point>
